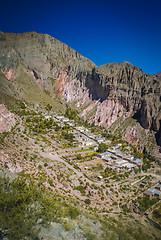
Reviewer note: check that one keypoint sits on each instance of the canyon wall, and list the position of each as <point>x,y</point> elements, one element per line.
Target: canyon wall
<point>109,96</point>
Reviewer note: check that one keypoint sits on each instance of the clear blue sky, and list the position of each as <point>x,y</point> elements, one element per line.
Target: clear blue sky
<point>103,31</point>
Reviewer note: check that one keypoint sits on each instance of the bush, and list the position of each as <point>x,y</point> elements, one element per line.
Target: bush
<point>102,147</point>
<point>40,167</point>
<point>87,201</point>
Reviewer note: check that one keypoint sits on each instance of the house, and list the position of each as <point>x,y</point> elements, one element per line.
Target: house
<point>98,136</point>
<point>95,148</point>
<point>118,145</point>
<point>138,161</point>
<point>71,124</point>
<point>79,128</point>
<point>103,155</point>
<point>47,117</point>
<point>128,166</point>
<point>157,193</point>
<point>107,159</point>
<point>85,139</point>
<point>107,141</point>
<point>88,143</point>
<point>148,193</point>
<point>114,157</point>
<point>129,158</point>
<point>99,140</point>
<point>100,178</point>
<point>143,184</point>
<point>158,187</point>
<point>153,192</point>
<point>121,154</point>
<point>60,117</point>
<point>94,136</point>
<point>120,162</point>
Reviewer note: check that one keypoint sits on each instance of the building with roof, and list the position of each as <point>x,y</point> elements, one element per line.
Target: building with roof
<point>100,177</point>
<point>153,192</point>
<point>121,154</point>
<point>104,155</point>
<point>88,143</point>
<point>138,161</point>
<point>158,187</point>
<point>128,166</point>
<point>99,140</point>
<point>107,141</point>
<point>129,158</point>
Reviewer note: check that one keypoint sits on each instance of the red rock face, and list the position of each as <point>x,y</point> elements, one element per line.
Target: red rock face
<point>9,74</point>
<point>108,112</point>
<point>132,137</point>
<point>60,83</point>
<point>7,119</point>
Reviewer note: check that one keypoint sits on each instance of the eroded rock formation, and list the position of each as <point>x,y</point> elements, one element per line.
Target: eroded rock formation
<point>105,95</point>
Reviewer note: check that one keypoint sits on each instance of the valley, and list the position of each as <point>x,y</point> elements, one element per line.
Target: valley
<point>48,149</point>
<point>80,145</point>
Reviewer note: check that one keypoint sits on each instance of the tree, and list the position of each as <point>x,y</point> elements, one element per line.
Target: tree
<point>79,156</point>
<point>71,114</point>
<point>87,201</point>
<point>102,147</point>
<point>48,107</point>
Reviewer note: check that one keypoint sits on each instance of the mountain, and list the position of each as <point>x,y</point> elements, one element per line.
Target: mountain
<point>39,69</point>
<point>158,74</point>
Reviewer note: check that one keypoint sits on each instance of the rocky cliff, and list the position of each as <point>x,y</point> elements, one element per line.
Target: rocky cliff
<point>118,96</point>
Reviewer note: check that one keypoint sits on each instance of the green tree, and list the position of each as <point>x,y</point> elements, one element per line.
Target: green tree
<point>48,107</point>
<point>102,147</point>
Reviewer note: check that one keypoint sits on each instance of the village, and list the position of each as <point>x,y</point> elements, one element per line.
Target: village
<point>78,161</point>
<point>113,158</point>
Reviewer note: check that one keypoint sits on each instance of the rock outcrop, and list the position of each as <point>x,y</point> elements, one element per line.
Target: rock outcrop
<point>7,119</point>
<point>105,95</point>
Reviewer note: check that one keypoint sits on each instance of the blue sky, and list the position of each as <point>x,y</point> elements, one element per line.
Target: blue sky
<point>103,31</point>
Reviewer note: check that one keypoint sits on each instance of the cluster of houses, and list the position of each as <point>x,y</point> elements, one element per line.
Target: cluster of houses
<point>155,191</point>
<point>81,134</point>
<point>117,160</point>
<point>87,138</point>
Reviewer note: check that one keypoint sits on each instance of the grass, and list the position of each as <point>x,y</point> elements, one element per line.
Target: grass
<point>83,150</point>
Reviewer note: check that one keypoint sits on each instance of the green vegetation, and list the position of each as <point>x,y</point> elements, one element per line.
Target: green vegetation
<point>83,150</point>
<point>71,113</point>
<point>87,201</point>
<point>102,147</point>
<point>81,189</point>
<point>156,214</point>
<point>79,156</point>
<point>68,136</point>
<point>146,202</point>
<point>38,124</point>
<point>22,204</point>
<point>48,107</point>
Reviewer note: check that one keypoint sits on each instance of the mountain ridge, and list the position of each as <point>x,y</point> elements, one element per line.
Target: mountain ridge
<point>107,95</point>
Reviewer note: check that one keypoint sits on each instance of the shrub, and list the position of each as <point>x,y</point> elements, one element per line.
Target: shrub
<point>87,201</point>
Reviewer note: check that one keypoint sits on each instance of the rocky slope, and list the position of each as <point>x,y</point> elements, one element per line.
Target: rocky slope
<point>7,119</point>
<point>118,96</point>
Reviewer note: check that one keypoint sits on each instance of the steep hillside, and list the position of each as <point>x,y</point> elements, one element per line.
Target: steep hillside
<point>39,69</point>
<point>118,91</point>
